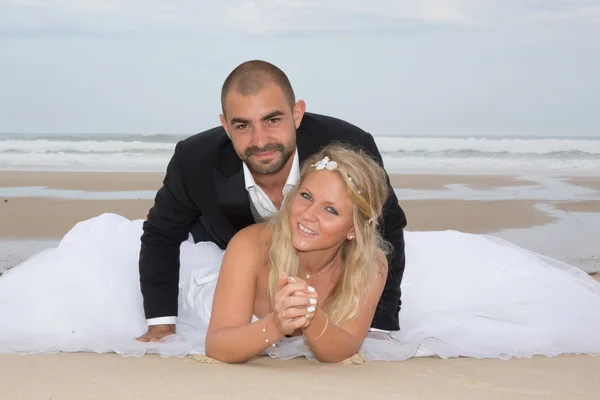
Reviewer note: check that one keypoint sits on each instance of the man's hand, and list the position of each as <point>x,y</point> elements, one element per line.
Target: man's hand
<point>156,333</point>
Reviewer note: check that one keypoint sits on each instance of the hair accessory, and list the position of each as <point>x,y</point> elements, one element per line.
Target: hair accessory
<point>351,180</point>
<point>325,163</point>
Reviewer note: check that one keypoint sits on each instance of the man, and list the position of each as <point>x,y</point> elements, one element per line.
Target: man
<point>226,178</point>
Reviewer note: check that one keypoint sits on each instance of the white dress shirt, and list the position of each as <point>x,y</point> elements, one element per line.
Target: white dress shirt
<point>262,203</point>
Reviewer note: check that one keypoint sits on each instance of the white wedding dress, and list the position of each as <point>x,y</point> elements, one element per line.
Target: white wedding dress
<point>463,295</point>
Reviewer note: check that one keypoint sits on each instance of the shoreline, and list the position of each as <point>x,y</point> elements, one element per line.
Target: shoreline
<point>532,213</point>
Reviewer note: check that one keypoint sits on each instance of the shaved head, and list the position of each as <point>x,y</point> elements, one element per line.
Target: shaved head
<point>252,76</point>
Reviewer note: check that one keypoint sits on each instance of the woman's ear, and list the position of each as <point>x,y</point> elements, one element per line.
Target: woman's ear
<point>351,234</point>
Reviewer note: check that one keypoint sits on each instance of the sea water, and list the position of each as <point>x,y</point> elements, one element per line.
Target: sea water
<point>401,154</point>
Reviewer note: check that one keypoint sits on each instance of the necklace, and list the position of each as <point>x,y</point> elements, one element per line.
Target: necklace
<point>308,276</point>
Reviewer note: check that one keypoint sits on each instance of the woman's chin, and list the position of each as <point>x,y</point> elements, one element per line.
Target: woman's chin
<point>302,244</point>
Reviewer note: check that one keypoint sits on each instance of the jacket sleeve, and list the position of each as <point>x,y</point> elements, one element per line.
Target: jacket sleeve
<point>168,224</point>
<point>392,226</point>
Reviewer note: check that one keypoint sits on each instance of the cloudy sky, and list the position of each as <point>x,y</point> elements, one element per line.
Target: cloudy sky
<point>428,67</point>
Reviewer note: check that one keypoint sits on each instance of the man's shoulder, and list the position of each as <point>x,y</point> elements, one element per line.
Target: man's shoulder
<point>204,147</point>
<point>207,140</point>
<point>333,128</point>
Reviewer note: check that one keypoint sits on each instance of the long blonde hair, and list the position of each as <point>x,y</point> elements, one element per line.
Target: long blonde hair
<point>366,185</point>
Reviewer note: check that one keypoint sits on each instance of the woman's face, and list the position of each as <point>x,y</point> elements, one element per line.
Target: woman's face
<point>321,214</point>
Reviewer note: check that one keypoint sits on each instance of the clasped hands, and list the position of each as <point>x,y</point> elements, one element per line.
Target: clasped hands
<point>295,305</point>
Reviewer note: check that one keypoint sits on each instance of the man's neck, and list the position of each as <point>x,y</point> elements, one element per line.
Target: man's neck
<point>274,183</point>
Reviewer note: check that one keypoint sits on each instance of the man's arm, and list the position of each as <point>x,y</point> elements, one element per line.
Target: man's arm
<point>168,224</point>
<point>392,228</point>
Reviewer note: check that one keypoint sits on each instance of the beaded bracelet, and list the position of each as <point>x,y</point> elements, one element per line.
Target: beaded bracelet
<point>265,330</point>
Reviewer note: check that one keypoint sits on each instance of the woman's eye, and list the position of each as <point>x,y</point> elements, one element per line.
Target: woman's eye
<point>331,210</point>
<point>305,195</point>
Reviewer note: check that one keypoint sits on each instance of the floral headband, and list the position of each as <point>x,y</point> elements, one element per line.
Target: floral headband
<point>325,163</point>
<point>330,165</point>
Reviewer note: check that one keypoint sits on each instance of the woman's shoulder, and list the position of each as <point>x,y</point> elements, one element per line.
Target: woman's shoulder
<point>253,237</point>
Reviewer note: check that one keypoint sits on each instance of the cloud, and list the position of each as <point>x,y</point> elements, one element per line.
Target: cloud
<point>215,16</point>
<point>274,17</point>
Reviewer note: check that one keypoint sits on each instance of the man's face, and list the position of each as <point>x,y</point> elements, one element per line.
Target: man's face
<point>262,128</point>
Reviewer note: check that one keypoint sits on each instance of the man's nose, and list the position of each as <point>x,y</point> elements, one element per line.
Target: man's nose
<point>259,136</point>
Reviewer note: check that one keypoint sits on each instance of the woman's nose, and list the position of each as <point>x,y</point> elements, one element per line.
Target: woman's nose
<point>309,213</point>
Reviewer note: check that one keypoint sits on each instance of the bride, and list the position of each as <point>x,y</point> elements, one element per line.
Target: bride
<point>304,284</point>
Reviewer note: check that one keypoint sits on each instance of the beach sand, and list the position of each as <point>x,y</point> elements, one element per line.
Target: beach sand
<point>100,376</point>
<point>103,376</point>
<point>41,218</point>
<point>437,182</point>
<point>587,182</point>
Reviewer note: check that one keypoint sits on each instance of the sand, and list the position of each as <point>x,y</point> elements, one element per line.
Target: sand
<point>89,181</point>
<point>586,206</point>
<point>93,376</point>
<point>437,182</point>
<point>43,218</point>
<point>100,376</point>
<point>587,182</point>
<point>48,218</point>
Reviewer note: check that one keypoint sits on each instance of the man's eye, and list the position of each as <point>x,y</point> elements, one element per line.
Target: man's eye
<point>241,127</point>
<point>273,120</point>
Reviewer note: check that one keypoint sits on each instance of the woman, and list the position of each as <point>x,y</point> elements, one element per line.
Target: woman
<point>306,282</point>
<point>325,235</point>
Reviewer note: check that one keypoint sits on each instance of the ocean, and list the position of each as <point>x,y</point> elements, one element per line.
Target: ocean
<point>401,154</point>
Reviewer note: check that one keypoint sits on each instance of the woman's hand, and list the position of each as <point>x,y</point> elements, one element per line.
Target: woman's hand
<point>295,304</point>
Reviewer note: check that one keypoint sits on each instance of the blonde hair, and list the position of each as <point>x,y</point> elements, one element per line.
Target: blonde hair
<point>366,185</point>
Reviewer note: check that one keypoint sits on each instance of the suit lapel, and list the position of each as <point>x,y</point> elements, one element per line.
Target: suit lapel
<point>232,196</point>
<point>306,143</point>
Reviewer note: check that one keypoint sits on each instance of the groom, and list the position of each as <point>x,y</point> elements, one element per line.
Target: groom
<point>228,177</point>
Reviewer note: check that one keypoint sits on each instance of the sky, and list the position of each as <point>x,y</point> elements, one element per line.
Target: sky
<point>392,67</point>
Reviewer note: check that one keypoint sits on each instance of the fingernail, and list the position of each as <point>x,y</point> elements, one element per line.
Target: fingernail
<point>311,309</point>
<point>282,274</point>
<point>311,289</point>
<point>313,301</point>
<point>307,315</point>
<point>292,279</point>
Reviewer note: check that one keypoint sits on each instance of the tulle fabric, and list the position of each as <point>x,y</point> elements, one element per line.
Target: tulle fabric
<point>463,295</point>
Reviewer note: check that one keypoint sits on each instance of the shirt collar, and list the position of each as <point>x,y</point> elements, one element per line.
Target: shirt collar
<point>292,178</point>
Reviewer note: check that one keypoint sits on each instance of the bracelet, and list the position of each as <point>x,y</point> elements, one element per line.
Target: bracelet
<point>265,330</point>
<point>324,329</point>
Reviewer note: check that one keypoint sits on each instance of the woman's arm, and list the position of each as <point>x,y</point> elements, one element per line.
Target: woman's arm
<point>331,343</point>
<point>231,336</point>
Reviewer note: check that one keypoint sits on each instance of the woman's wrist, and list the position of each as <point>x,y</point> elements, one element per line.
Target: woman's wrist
<point>271,331</point>
<point>317,327</point>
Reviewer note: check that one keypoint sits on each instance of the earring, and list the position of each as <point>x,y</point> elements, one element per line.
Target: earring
<point>350,237</point>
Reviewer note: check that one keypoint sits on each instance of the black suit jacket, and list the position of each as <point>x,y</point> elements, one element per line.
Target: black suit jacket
<point>204,193</point>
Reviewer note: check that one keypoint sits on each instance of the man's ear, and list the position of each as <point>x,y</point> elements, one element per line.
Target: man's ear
<point>224,125</point>
<point>299,110</point>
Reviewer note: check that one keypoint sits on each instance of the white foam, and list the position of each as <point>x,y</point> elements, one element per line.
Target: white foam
<point>400,154</point>
<point>510,146</point>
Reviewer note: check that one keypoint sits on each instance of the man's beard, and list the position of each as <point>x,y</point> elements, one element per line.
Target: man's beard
<point>265,169</point>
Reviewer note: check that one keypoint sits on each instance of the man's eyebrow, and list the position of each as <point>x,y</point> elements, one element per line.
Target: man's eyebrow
<point>274,114</point>
<point>239,121</point>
